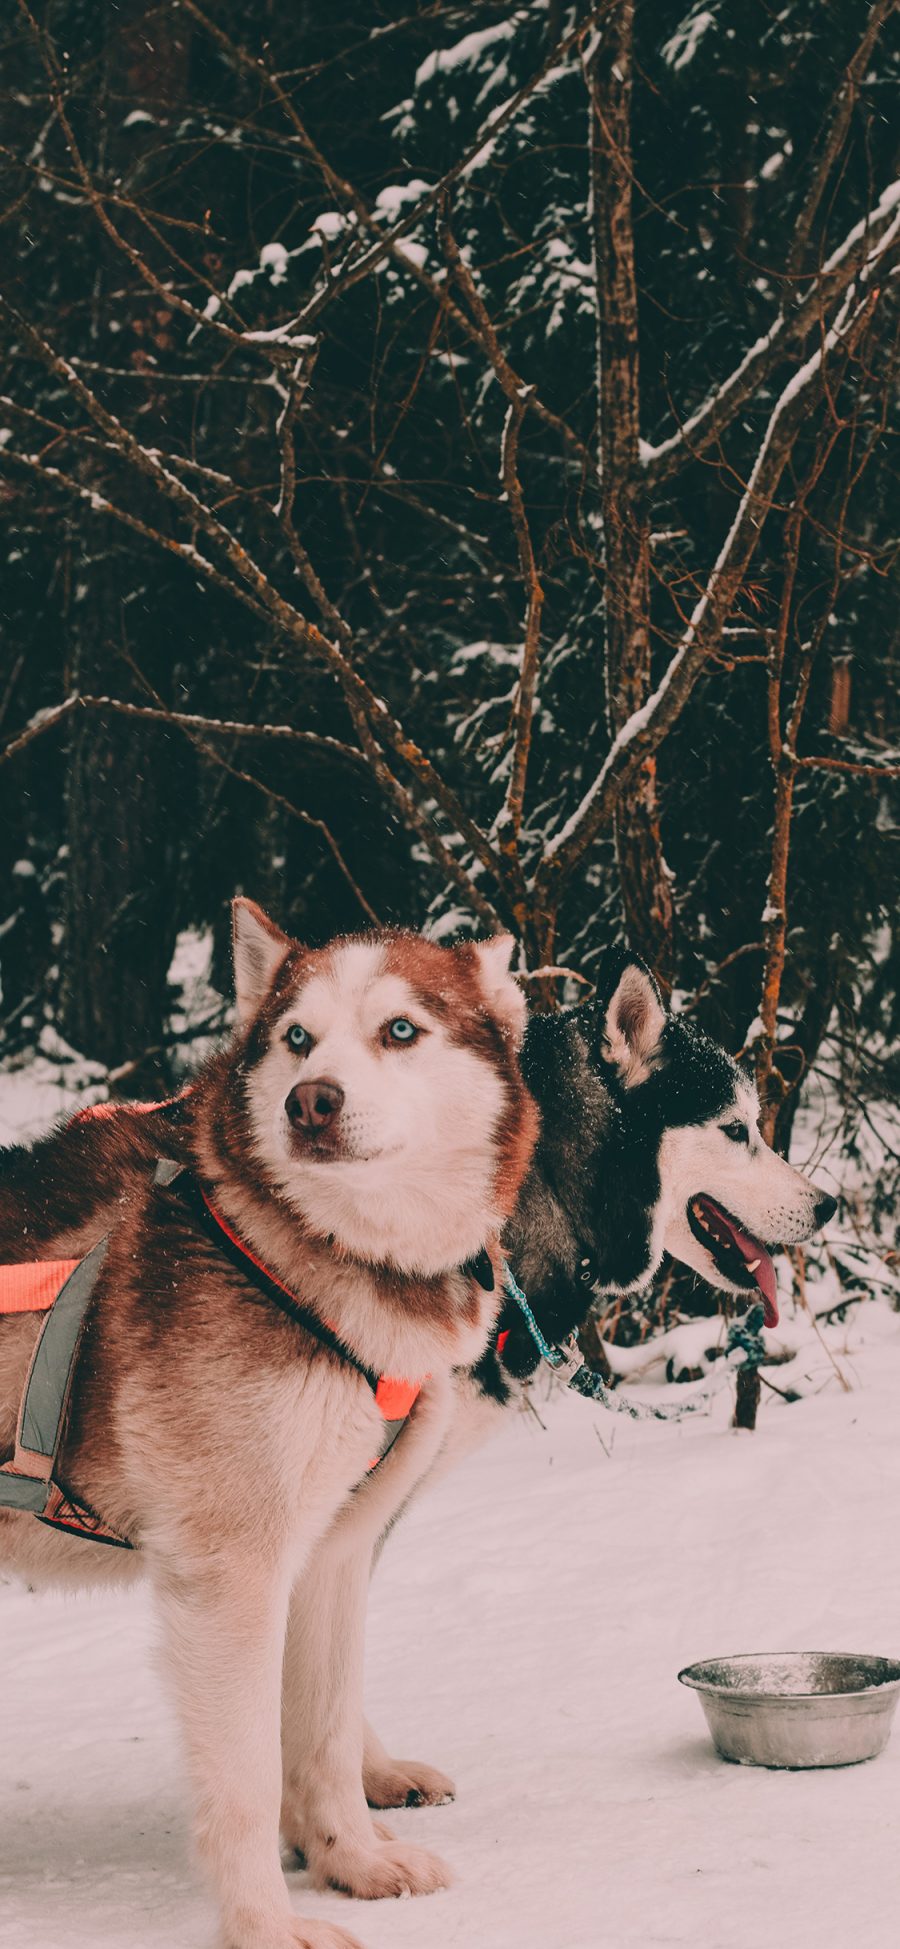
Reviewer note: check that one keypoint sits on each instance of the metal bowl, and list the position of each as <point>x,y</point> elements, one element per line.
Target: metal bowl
<point>797,1708</point>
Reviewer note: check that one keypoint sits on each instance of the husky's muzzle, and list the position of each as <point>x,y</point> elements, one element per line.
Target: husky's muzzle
<point>742,1258</point>
<point>314,1108</point>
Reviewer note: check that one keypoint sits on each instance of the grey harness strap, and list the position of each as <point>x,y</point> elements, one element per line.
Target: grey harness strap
<point>27,1482</point>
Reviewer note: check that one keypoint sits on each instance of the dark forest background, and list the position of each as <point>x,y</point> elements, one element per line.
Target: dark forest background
<point>449,477</point>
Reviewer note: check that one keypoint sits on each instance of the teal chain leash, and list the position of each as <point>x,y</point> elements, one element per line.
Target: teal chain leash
<point>746,1335</point>
<point>743,1348</point>
<point>554,1356</point>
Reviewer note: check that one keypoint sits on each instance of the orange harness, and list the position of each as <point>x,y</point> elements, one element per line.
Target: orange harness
<point>61,1289</point>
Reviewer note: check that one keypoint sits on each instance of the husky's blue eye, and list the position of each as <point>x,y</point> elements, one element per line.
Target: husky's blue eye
<point>298,1038</point>
<point>402,1030</point>
<point>738,1132</point>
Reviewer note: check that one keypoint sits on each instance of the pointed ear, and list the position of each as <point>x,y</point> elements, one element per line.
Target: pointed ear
<point>259,948</point>
<point>632,1025</point>
<point>501,992</point>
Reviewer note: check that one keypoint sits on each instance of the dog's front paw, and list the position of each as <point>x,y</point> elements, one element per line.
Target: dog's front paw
<point>292,1933</point>
<point>376,1874</point>
<point>406,1783</point>
<point>321,1935</point>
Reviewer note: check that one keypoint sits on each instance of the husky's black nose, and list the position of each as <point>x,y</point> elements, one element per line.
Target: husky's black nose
<point>825,1209</point>
<point>314,1106</point>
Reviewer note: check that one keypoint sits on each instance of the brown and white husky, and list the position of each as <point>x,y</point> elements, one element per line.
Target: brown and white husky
<point>363,1138</point>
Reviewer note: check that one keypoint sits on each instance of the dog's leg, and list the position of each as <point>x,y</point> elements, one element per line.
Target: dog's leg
<point>400,1783</point>
<point>410,1783</point>
<point>324,1813</point>
<point>223,1626</point>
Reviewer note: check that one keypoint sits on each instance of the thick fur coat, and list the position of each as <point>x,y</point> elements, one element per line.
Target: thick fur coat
<point>364,1134</point>
<point>640,1116</point>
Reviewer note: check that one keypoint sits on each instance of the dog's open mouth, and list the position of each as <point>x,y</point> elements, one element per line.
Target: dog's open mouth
<point>739,1256</point>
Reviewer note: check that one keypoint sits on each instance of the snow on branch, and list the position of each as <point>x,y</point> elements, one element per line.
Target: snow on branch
<point>42,721</point>
<point>516,392</point>
<point>206,320</point>
<point>477,151</point>
<point>248,582</point>
<point>192,721</point>
<point>646,728</point>
<point>392,243</point>
<point>848,765</point>
<point>835,131</point>
<point>864,250</point>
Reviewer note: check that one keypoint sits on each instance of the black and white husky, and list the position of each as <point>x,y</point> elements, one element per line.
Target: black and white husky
<point>649,1144</point>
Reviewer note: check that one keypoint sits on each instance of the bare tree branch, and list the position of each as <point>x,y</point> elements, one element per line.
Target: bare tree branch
<point>222,727</point>
<point>867,250</point>
<point>516,392</point>
<point>182,721</point>
<point>389,243</point>
<point>836,130</point>
<point>844,764</point>
<point>646,729</point>
<point>295,626</point>
<point>274,352</point>
<point>35,728</point>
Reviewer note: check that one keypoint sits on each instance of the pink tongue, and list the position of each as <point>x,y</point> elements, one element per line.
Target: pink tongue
<point>755,1255</point>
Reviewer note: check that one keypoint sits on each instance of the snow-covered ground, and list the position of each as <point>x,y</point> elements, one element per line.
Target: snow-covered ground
<point>526,1628</point>
<point>527,1625</point>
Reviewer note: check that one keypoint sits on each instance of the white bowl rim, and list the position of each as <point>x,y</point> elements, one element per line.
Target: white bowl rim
<point>879,1689</point>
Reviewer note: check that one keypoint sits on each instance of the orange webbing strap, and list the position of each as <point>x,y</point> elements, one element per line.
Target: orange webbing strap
<point>113,1106</point>
<point>396,1399</point>
<point>27,1482</point>
<point>62,1289</point>
<point>32,1288</point>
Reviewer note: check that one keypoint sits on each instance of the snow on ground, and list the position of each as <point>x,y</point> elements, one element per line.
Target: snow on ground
<point>527,1625</point>
<point>526,1628</point>
<point>38,1088</point>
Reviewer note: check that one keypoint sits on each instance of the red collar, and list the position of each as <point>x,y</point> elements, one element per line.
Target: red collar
<point>395,1398</point>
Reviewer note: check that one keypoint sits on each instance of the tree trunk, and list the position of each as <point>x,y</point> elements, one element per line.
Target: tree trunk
<point>119,911</point>
<point>645,878</point>
<point>119,908</point>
